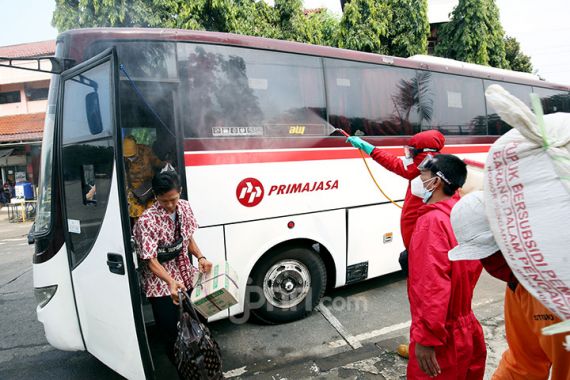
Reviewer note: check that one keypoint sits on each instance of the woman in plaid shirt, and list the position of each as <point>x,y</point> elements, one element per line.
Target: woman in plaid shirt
<point>164,236</point>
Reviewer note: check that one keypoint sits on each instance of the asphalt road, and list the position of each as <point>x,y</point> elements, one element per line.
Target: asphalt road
<point>352,335</point>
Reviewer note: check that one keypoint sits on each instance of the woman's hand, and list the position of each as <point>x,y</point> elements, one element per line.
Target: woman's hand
<point>204,265</point>
<point>174,286</point>
<point>427,360</point>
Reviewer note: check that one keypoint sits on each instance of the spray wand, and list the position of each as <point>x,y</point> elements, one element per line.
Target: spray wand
<point>370,171</point>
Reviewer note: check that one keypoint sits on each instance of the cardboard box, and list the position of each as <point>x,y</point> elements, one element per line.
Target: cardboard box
<point>215,291</point>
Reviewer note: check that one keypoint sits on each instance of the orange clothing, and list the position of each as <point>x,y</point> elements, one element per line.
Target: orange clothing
<point>531,355</point>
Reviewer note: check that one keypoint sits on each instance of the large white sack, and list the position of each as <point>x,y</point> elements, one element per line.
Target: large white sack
<point>527,197</point>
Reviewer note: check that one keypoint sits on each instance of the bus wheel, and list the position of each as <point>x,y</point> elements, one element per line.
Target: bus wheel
<point>287,285</point>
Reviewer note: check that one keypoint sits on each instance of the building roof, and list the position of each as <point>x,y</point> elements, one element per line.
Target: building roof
<point>32,49</point>
<point>17,128</point>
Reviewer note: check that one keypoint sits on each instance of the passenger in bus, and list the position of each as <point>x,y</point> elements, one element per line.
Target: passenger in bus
<point>530,355</point>
<point>164,237</point>
<point>141,164</point>
<point>418,147</point>
<point>446,339</point>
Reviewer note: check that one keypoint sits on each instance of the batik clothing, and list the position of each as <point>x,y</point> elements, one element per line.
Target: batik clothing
<point>139,171</point>
<point>156,228</point>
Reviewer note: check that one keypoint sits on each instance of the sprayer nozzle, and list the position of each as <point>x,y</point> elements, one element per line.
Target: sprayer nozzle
<point>342,131</point>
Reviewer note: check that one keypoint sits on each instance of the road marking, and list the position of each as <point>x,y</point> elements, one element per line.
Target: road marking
<point>389,329</point>
<point>348,337</point>
<point>14,239</point>
<point>235,372</point>
<point>373,333</point>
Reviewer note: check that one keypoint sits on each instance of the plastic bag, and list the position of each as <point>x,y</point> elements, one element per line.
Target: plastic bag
<point>527,197</point>
<point>197,355</point>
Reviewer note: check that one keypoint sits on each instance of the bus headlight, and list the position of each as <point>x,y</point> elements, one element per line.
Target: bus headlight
<point>44,294</point>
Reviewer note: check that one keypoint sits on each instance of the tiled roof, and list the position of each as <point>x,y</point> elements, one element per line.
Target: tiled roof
<point>313,10</point>
<point>32,49</point>
<point>16,128</point>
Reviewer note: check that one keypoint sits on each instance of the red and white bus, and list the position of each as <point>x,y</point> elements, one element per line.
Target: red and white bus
<point>247,123</point>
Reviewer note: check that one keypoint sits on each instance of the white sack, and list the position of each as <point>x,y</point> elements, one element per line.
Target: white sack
<point>527,197</point>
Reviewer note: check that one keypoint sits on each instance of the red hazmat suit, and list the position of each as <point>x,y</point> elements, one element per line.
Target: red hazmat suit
<point>440,293</point>
<point>428,139</point>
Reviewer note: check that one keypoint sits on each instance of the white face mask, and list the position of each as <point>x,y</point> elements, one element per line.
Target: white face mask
<point>417,187</point>
<point>419,190</point>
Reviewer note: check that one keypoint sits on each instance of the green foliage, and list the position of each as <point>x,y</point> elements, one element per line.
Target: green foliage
<point>474,34</point>
<point>70,14</point>
<point>364,26</point>
<point>409,28</point>
<point>516,59</point>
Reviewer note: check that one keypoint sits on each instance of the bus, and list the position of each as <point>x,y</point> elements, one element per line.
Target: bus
<point>249,123</point>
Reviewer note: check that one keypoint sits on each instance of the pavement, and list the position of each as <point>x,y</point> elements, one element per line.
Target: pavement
<point>352,335</point>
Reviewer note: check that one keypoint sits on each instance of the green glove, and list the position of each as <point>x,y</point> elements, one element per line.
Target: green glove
<point>357,142</point>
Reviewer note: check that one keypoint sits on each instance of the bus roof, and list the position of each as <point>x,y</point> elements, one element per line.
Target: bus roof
<point>80,39</point>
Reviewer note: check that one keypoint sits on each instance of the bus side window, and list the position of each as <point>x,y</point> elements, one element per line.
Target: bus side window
<point>553,100</point>
<point>237,92</point>
<point>495,124</point>
<point>458,106</point>
<point>371,99</point>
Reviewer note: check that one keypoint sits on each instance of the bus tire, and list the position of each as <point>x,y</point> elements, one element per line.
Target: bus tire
<point>286,285</point>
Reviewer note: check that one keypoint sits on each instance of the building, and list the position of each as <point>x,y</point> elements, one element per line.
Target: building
<point>23,102</point>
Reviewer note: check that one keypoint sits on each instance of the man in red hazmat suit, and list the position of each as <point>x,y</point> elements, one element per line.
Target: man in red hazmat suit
<point>446,340</point>
<point>530,355</point>
<point>419,146</point>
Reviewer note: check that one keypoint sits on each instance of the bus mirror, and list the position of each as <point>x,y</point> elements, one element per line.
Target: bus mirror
<point>93,113</point>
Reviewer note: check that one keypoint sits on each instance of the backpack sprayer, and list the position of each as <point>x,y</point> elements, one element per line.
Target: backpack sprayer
<point>370,171</point>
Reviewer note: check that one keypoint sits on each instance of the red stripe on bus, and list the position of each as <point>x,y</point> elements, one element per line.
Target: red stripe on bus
<point>474,163</point>
<point>254,157</point>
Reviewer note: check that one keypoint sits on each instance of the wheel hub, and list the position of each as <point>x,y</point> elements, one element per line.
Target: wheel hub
<point>287,283</point>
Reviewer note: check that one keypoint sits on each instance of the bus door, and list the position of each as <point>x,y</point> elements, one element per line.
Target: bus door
<point>102,265</point>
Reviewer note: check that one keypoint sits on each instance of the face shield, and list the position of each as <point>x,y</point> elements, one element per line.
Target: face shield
<point>430,163</point>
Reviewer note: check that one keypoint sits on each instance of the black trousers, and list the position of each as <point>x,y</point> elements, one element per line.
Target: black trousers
<point>166,315</point>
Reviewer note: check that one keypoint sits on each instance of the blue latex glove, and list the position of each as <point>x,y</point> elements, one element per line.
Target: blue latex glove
<point>357,142</point>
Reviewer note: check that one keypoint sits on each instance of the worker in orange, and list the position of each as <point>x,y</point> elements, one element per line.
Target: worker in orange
<point>530,355</point>
<point>141,164</point>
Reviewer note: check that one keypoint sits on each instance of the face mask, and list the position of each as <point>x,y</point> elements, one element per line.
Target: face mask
<point>427,193</point>
<point>418,188</point>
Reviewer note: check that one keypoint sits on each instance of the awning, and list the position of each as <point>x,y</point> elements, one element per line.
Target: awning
<point>5,152</point>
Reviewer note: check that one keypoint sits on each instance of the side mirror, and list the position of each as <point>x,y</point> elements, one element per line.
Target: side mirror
<point>31,239</point>
<point>93,113</point>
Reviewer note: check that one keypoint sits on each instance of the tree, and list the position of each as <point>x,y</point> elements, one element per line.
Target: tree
<point>474,34</point>
<point>71,14</point>
<point>516,59</point>
<point>364,26</point>
<point>409,28</point>
<point>320,28</point>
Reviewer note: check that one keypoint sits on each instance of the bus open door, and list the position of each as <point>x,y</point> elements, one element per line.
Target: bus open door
<point>102,264</point>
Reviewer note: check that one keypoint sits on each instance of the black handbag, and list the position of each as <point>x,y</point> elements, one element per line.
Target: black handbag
<point>143,193</point>
<point>196,354</point>
<point>169,252</point>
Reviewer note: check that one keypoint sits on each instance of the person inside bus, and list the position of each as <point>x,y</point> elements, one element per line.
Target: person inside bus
<point>140,164</point>
<point>446,339</point>
<point>418,147</point>
<point>530,355</point>
<point>164,237</point>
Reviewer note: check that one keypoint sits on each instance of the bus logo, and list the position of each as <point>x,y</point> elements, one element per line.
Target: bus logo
<point>249,192</point>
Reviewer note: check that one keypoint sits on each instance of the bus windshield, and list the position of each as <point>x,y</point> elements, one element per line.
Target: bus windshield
<point>43,218</point>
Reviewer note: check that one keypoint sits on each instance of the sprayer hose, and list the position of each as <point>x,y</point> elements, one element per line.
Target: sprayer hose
<point>376,182</point>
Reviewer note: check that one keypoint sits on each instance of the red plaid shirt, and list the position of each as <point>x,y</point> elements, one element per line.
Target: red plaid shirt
<point>155,228</point>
